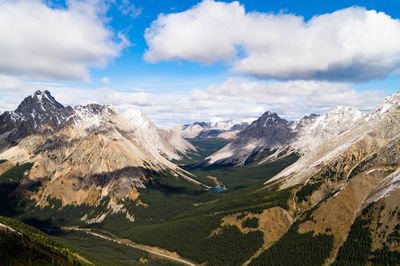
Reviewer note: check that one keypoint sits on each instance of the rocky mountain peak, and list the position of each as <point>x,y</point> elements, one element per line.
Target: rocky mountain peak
<point>394,98</point>
<point>269,128</point>
<point>268,119</point>
<point>269,113</point>
<point>309,117</point>
<point>390,103</point>
<point>346,111</point>
<point>35,112</point>
<point>39,102</point>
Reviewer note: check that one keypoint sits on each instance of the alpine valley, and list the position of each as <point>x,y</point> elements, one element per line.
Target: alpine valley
<point>84,185</point>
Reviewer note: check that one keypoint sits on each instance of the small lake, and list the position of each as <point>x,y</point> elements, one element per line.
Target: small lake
<point>217,189</point>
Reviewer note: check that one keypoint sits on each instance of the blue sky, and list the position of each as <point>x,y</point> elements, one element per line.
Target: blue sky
<point>181,61</point>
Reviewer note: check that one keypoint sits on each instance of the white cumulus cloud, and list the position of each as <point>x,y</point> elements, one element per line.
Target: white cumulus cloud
<point>291,99</point>
<point>352,44</point>
<point>38,41</point>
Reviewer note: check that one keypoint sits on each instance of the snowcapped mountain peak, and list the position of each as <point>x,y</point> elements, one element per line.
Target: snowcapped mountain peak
<point>389,103</point>
<point>330,124</point>
<point>269,114</point>
<point>138,118</point>
<point>347,111</point>
<point>310,116</point>
<point>35,112</point>
<point>393,98</point>
<point>268,119</point>
<point>341,109</point>
<point>44,95</point>
<point>39,102</point>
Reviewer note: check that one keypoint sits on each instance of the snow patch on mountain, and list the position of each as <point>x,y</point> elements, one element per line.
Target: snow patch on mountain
<point>391,184</point>
<point>92,114</point>
<point>319,129</point>
<point>138,118</point>
<point>388,103</point>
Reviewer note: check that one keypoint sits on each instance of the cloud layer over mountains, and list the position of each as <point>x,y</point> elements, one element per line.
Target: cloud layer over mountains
<point>352,44</point>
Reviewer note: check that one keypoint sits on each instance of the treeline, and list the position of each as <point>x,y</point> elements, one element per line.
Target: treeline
<point>54,215</point>
<point>307,191</point>
<point>357,250</point>
<point>357,247</point>
<point>297,249</point>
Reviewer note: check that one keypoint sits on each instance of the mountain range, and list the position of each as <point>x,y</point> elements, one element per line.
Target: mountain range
<point>270,136</point>
<point>220,129</point>
<point>317,191</point>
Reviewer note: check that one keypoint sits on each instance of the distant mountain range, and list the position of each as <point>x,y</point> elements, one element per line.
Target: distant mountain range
<point>221,129</point>
<point>270,136</point>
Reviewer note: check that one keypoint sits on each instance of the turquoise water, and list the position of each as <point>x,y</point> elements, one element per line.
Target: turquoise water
<point>216,189</point>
